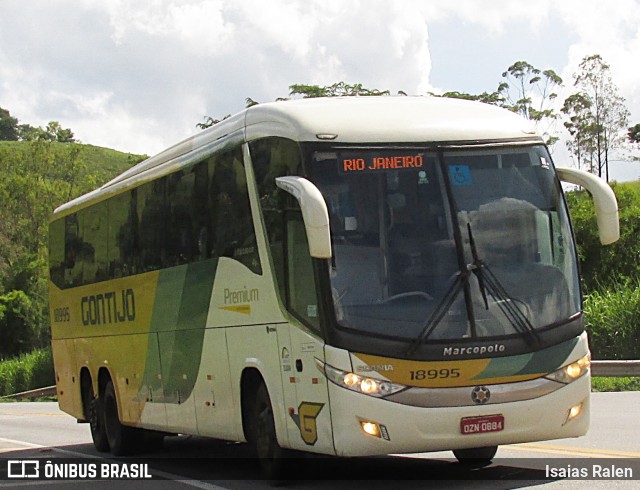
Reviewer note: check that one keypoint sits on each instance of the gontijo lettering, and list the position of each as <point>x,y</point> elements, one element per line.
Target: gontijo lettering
<point>372,163</point>
<point>111,307</point>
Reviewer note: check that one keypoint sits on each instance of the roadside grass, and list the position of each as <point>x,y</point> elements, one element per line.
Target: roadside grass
<point>612,319</point>
<point>26,372</point>
<point>615,384</point>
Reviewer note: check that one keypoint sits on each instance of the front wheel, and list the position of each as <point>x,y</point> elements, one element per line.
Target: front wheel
<point>265,443</point>
<point>476,455</point>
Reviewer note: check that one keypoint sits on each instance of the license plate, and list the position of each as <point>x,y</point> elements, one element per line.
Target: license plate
<point>481,425</point>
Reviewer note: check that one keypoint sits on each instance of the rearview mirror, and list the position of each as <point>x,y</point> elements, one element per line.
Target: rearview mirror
<point>604,201</point>
<point>314,213</point>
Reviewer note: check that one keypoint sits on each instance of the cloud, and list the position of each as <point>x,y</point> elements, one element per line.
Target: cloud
<point>138,76</point>
<point>165,64</point>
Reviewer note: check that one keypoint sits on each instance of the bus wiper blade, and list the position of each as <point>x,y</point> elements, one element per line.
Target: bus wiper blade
<point>476,267</point>
<point>507,305</point>
<point>440,310</point>
<point>487,281</point>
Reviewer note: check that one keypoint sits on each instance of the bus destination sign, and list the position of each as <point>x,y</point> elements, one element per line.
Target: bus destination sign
<point>379,162</point>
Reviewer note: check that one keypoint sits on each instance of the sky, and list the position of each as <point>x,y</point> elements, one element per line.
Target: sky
<point>138,76</point>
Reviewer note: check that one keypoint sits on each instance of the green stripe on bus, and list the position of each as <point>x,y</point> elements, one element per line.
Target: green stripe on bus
<point>178,322</point>
<point>543,361</point>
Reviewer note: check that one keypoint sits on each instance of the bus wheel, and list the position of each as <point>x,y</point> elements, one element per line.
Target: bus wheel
<point>96,422</point>
<point>476,455</point>
<point>123,440</point>
<point>269,453</point>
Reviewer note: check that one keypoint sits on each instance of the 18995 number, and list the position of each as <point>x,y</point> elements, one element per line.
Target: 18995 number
<point>434,374</point>
<point>61,314</point>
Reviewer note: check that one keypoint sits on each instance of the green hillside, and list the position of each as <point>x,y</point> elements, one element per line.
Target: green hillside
<point>103,163</point>
<point>37,177</point>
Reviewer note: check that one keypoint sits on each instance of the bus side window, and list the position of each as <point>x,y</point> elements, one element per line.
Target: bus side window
<point>181,243</point>
<point>56,252</point>
<point>123,240</point>
<point>230,211</point>
<point>72,248</point>
<point>301,289</point>
<point>93,253</point>
<point>152,213</point>
<point>293,266</point>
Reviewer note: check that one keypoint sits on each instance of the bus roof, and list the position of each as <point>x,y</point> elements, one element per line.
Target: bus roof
<point>364,119</point>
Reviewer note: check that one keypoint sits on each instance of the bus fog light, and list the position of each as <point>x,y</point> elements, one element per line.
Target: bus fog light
<point>374,429</point>
<point>370,428</point>
<point>574,412</point>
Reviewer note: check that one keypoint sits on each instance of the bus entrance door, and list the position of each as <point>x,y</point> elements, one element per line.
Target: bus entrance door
<point>309,423</point>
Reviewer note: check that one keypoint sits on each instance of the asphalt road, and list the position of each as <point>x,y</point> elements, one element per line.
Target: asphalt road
<point>40,430</point>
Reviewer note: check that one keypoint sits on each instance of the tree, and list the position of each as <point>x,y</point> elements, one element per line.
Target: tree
<point>597,115</point>
<point>53,132</point>
<point>579,125</point>
<point>633,133</point>
<point>8,126</point>
<point>210,121</point>
<point>531,93</point>
<point>26,132</point>
<point>527,91</point>
<point>339,89</point>
<point>493,98</point>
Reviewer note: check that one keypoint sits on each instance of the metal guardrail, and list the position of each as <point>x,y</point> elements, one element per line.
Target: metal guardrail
<point>615,368</point>
<point>598,368</point>
<point>47,391</point>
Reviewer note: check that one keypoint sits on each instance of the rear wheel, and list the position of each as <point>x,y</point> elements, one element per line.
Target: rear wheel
<point>476,455</point>
<point>123,440</point>
<point>96,422</point>
<point>94,415</point>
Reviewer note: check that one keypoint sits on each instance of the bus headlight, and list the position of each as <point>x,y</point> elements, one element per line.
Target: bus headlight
<point>354,382</point>
<point>572,371</point>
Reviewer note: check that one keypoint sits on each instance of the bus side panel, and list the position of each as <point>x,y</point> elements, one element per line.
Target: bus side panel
<point>246,305</point>
<point>214,405</point>
<point>154,414</point>
<point>256,347</point>
<point>311,414</point>
<point>125,358</point>
<point>67,377</point>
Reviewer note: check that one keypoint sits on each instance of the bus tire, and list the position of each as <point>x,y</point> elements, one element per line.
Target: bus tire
<point>476,455</point>
<point>265,443</point>
<point>123,440</point>
<point>93,414</point>
<point>96,423</point>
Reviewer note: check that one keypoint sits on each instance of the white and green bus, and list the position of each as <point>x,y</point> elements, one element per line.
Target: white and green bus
<point>343,276</point>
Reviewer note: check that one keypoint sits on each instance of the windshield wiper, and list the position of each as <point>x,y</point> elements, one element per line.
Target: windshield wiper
<point>488,283</point>
<point>441,309</point>
<point>496,290</point>
<point>476,267</point>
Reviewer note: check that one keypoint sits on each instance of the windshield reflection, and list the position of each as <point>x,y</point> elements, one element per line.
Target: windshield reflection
<point>403,223</point>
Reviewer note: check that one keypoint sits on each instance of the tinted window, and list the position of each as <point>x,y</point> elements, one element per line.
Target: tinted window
<point>197,213</point>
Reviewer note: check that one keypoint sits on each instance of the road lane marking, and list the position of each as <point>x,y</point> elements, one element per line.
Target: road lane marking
<point>569,450</point>
<point>31,414</point>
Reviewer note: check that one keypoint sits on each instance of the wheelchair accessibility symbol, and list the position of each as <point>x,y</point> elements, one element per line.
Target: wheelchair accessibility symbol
<point>460,175</point>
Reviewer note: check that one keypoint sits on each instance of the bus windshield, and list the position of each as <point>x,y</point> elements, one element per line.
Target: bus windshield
<point>471,242</point>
